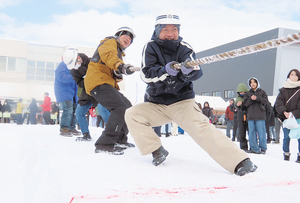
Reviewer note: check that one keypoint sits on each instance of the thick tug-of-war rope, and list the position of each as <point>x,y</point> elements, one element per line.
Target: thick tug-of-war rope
<point>270,44</point>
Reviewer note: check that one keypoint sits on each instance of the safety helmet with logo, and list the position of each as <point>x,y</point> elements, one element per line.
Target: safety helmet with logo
<point>167,18</point>
<point>125,30</point>
<point>70,57</point>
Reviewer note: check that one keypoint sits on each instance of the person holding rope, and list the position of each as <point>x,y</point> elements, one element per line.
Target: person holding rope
<point>105,71</point>
<point>170,97</point>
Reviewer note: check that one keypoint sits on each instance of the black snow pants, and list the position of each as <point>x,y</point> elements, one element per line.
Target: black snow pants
<point>116,129</point>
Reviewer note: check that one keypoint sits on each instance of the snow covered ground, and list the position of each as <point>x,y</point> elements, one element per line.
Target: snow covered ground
<point>37,165</point>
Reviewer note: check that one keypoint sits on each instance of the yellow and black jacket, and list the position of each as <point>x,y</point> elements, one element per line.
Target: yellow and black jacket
<point>105,60</point>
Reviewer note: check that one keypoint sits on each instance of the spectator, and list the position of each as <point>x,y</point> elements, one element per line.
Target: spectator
<point>65,90</point>
<point>229,116</point>
<point>26,112</point>
<point>256,100</point>
<point>55,111</point>
<point>46,109</point>
<point>170,97</point>
<point>235,128</point>
<point>270,123</point>
<point>287,102</point>
<point>101,82</point>
<point>207,111</point>
<point>19,111</point>
<point>33,108</point>
<point>241,116</point>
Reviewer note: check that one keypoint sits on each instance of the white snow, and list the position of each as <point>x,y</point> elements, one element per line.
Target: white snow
<point>37,165</point>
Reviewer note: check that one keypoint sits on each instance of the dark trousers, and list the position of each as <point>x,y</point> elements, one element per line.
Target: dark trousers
<point>234,132</point>
<point>32,118</point>
<point>242,126</point>
<point>47,118</point>
<point>19,119</point>
<point>116,129</point>
<point>26,115</point>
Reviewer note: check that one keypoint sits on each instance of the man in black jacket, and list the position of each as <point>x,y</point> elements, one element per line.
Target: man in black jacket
<point>170,97</point>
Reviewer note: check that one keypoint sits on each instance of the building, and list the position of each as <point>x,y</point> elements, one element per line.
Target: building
<point>270,67</point>
<point>27,69</point>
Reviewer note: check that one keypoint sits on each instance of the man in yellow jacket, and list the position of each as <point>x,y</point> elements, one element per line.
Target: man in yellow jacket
<point>105,70</point>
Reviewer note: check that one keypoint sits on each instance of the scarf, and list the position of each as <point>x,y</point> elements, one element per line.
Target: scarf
<point>290,84</point>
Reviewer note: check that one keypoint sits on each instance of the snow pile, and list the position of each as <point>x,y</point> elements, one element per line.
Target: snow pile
<point>38,165</point>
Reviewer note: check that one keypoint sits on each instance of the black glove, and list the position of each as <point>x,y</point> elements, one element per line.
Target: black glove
<point>125,69</point>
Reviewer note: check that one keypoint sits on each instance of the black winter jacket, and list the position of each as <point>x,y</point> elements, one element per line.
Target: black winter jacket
<point>256,109</point>
<point>292,106</point>
<point>78,76</point>
<point>161,87</point>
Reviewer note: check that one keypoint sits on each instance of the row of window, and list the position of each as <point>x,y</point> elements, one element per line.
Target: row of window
<point>227,94</point>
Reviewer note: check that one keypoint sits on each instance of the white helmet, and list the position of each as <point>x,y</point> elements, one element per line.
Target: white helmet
<point>121,30</point>
<point>70,57</point>
<point>167,18</point>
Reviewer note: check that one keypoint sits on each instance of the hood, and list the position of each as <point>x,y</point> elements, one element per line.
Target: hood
<point>170,45</point>
<point>242,88</point>
<point>258,84</point>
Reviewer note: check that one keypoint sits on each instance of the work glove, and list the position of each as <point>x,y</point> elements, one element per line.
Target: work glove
<point>171,70</point>
<point>125,69</point>
<point>185,68</point>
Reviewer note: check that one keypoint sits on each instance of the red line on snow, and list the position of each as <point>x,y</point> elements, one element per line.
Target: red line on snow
<point>155,191</point>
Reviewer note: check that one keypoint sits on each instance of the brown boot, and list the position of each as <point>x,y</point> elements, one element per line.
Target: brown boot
<point>75,132</point>
<point>65,132</point>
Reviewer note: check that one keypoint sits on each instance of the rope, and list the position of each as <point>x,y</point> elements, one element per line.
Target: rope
<point>270,44</point>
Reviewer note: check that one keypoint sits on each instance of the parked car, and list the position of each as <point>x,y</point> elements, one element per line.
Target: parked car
<point>222,120</point>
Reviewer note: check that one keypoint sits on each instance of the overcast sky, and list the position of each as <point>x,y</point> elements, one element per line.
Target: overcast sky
<point>204,23</point>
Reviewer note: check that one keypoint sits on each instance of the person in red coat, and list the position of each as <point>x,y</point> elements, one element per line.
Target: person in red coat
<point>229,116</point>
<point>46,109</point>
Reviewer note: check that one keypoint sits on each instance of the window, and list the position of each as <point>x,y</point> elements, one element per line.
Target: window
<point>11,63</point>
<point>40,64</point>
<point>216,94</point>
<point>2,63</point>
<point>31,63</point>
<point>49,72</point>
<point>21,65</point>
<point>40,71</point>
<point>30,71</point>
<point>204,94</point>
<point>50,65</point>
<point>228,94</point>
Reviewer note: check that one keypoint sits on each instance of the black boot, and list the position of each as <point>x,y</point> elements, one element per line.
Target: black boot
<point>159,156</point>
<point>298,159</point>
<point>244,167</point>
<point>286,156</point>
<point>86,137</point>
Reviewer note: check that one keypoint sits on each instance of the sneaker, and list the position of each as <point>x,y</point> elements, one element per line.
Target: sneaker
<point>65,132</point>
<point>109,149</point>
<point>125,145</point>
<point>159,156</point>
<point>75,132</point>
<point>263,151</point>
<point>244,167</point>
<point>86,137</point>
<point>252,152</point>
